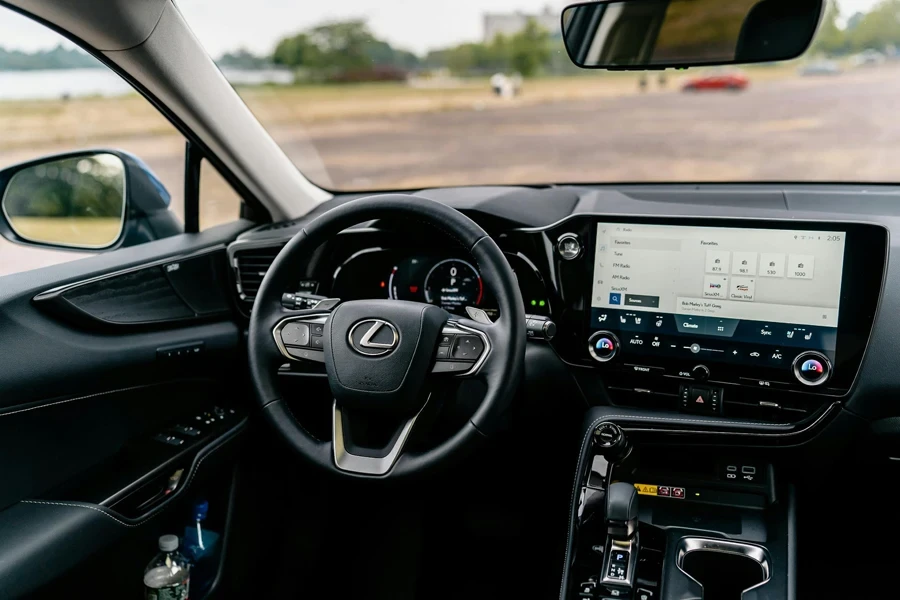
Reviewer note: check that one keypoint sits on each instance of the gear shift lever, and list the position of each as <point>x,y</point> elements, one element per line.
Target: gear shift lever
<point>620,557</point>
<point>620,560</point>
<point>621,511</point>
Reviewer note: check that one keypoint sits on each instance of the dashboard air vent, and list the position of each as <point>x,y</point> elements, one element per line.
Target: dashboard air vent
<point>250,267</point>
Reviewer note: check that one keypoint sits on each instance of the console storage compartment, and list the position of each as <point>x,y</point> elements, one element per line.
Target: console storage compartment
<point>724,569</point>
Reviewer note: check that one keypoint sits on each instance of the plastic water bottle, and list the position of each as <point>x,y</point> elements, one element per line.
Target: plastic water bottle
<point>200,546</point>
<point>168,576</point>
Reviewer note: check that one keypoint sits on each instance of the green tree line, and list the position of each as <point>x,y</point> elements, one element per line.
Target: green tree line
<point>876,29</point>
<point>331,49</point>
<point>55,58</point>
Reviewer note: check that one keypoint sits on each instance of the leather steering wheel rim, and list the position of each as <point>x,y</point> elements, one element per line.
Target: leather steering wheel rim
<point>501,371</point>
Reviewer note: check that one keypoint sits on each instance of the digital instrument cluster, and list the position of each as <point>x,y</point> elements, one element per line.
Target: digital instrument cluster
<point>443,279</point>
<point>450,283</point>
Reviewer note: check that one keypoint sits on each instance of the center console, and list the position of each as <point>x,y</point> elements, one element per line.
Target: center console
<point>722,317</point>
<point>649,526</point>
<point>713,344</point>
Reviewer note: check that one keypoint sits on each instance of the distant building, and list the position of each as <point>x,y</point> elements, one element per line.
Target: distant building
<point>509,24</point>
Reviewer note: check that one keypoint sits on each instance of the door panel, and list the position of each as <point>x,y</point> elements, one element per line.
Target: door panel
<point>47,357</point>
<point>86,410</point>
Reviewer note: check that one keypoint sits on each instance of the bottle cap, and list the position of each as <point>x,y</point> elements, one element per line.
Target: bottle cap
<point>168,543</point>
<point>201,508</point>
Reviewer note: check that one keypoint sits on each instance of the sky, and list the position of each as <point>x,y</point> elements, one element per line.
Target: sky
<point>417,25</point>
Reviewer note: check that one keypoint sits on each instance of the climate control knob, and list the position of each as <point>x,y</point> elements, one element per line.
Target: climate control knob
<point>603,346</point>
<point>812,368</point>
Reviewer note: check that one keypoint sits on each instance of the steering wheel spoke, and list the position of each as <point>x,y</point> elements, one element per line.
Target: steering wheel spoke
<point>350,457</point>
<point>300,335</point>
<point>463,348</point>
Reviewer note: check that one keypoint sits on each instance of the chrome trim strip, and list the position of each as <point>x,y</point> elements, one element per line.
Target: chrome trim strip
<point>367,465</point>
<point>52,293</point>
<point>240,245</point>
<point>694,544</point>
<point>674,420</point>
<point>353,256</point>
<point>276,331</point>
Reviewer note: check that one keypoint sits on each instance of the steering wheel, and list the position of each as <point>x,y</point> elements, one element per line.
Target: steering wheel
<point>382,356</point>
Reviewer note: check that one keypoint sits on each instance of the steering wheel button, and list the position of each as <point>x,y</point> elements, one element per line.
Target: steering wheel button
<point>317,328</point>
<point>443,352</point>
<point>316,341</point>
<point>295,334</point>
<point>467,347</point>
<point>446,339</point>
<point>449,366</point>
<point>307,354</point>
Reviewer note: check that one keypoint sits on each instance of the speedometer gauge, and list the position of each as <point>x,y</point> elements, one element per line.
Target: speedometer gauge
<point>453,284</point>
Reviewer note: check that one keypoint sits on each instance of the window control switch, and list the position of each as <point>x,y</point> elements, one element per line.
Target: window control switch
<point>171,440</point>
<point>187,430</point>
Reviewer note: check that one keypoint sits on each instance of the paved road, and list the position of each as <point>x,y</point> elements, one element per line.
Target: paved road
<point>843,128</point>
<point>839,128</point>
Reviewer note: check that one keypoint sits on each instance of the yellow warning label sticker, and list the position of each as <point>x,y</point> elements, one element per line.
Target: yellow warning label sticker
<point>646,489</point>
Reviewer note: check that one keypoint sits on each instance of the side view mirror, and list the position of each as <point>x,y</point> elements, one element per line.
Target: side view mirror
<point>91,200</point>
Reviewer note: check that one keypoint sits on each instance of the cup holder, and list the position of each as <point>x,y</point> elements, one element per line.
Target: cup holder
<point>723,568</point>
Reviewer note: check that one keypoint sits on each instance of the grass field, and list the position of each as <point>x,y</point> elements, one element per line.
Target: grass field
<point>48,123</point>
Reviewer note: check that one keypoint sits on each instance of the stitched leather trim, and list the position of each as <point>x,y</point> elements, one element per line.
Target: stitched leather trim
<point>160,509</point>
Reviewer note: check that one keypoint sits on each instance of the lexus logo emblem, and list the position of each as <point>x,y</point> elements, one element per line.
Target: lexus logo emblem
<point>373,337</point>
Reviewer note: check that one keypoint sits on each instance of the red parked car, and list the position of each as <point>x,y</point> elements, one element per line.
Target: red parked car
<point>717,80</point>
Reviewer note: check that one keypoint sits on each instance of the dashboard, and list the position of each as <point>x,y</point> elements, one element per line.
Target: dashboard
<point>396,261</point>
<point>660,298</point>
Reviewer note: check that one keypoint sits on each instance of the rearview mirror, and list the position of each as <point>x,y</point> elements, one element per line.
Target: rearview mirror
<point>73,202</point>
<point>641,34</point>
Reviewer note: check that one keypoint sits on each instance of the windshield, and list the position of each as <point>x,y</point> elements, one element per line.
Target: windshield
<point>398,94</point>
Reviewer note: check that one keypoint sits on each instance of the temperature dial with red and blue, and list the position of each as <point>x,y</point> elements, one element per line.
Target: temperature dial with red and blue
<point>812,368</point>
<point>603,346</point>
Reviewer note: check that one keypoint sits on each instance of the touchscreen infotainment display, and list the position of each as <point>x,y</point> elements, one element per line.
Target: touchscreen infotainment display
<point>747,290</point>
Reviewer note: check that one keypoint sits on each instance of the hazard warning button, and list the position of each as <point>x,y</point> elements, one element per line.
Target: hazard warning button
<point>700,399</point>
